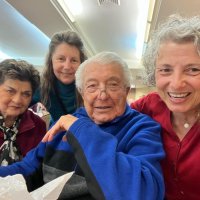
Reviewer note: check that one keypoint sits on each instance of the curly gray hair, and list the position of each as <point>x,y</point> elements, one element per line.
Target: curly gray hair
<point>177,29</point>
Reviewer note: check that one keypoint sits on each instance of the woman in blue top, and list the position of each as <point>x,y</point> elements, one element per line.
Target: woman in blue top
<point>57,92</point>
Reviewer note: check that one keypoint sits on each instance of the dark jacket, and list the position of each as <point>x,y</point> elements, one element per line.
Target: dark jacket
<point>31,131</point>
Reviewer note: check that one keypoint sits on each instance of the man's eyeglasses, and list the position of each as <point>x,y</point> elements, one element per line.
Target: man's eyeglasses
<point>92,88</point>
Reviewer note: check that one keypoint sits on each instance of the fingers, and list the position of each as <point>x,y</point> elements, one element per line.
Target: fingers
<point>53,131</point>
<point>62,124</point>
<point>45,138</point>
<point>48,137</point>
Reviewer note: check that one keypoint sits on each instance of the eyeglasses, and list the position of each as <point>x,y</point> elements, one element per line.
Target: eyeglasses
<point>108,88</point>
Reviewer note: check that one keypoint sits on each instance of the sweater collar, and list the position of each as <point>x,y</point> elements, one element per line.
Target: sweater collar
<point>65,87</point>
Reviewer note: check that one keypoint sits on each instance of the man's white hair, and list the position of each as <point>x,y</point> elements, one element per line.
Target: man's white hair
<point>104,57</point>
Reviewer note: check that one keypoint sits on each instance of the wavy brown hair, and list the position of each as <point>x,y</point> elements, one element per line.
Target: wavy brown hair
<point>48,76</point>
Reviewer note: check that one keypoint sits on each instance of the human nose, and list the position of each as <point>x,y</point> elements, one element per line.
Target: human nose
<point>67,63</point>
<point>17,98</point>
<point>102,93</point>
<point>178,80</point>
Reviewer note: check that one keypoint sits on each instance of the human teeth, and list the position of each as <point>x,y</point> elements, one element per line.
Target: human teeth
<point>181,95</point>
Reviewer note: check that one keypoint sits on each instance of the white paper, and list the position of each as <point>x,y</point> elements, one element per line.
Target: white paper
<point>52,189</point>
<point>14,187</point>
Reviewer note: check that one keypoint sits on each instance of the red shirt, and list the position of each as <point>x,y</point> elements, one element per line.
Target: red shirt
<point>31,131</point>
<point>181,167</point>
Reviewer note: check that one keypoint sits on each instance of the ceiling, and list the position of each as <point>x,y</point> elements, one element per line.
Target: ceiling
<point>103,25</point>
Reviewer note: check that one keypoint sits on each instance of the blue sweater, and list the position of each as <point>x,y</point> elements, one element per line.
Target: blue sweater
<point>118,160</point>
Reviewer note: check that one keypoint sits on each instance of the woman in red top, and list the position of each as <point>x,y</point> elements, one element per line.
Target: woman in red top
<point>172,61</point>
<point>20,129</point>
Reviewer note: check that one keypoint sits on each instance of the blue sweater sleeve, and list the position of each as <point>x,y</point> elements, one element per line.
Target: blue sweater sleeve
<point>122,166</point>
<point>28,165</point>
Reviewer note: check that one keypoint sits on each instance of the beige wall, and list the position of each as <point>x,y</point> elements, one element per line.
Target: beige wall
<point>136,93</point>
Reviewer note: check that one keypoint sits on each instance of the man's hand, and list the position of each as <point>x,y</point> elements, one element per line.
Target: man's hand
<point>63,124</point>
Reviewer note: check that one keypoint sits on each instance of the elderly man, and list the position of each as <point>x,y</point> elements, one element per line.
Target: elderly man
<point>113,150</point>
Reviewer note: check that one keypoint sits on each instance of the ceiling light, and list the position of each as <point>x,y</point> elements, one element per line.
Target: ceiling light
<point>63,5</point>
<point>143,24</point>
<point>151,9</point>
<point>71,8</point>
<point>3,56</point>
<point>75,7</point>
<point>68,15</point>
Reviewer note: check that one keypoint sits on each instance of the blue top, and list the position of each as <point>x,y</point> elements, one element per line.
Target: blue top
<point>118,160</point>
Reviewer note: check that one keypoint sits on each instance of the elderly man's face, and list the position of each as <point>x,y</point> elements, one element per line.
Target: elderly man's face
<point>104,93</point>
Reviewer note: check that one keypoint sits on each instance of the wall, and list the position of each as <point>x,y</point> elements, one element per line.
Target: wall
<point>136,93</point>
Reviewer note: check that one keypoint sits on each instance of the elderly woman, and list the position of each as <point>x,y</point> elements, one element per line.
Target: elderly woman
<point>172,60</point>
<point>115,151</point>
<point>20,129</point>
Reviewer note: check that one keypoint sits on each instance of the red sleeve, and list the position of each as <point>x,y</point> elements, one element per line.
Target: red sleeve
<point>147,104</point>
<point>138,104</point>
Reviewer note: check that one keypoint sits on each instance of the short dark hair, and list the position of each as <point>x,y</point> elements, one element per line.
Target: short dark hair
<point>19,70</point>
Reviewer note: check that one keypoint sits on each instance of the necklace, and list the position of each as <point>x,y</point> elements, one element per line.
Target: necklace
<point>187,125</point>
